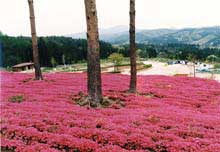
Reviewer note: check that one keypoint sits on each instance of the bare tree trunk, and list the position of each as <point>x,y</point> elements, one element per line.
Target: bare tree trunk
<point>38,74</point>
<point>93,58</point>
<point>194,69</point>
<point>133,79</point>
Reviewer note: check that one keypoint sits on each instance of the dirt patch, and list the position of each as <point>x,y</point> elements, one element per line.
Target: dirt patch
<point>27,80</point>
<point>32,79</point>
<point>8,149</point>
<point>148,95</point>
<point>107,101</point>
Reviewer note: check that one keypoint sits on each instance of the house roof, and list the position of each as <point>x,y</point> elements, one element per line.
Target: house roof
<point>23,65</point>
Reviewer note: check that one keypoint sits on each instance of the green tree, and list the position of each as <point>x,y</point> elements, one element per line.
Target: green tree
<point>116,58</point>
<point>162,55</point>
<point>53,62</point>
<point>212,58</point>
<point>64,60</point>
<point>152,53</point>
<point>43,52</point>
<point>193,58</point>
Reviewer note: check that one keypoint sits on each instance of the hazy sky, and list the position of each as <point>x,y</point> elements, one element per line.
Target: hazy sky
<point>60,17</point>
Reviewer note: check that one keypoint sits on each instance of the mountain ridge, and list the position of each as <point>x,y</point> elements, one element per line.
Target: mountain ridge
<point>203,36</point>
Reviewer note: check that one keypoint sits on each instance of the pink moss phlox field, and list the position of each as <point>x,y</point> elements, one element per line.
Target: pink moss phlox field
<point>169,114</point>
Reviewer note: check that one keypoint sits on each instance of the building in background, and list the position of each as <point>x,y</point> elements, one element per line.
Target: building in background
<point>23,67</point>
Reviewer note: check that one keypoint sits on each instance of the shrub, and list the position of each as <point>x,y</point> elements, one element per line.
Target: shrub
<point>147,66</point>
<point>16,98</point>
<point>217,66</point>
<point>212,58</point>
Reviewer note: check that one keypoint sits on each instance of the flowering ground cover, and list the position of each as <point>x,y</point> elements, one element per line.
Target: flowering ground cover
<point>169,114</point>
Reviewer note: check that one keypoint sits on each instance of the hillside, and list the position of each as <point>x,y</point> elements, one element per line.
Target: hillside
<point>205,37</point>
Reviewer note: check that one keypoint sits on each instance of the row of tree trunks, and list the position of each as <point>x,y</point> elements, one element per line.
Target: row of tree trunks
<point>38,74</point>
<point>93,61</point>
<point>93,54</point>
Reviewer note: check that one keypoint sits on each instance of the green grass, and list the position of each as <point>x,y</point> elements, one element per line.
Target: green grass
<point>144,67</point>
<point>82,66</point>
<point>161,59</point>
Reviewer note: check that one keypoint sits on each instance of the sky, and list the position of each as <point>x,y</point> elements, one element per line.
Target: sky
<point>64,17</point>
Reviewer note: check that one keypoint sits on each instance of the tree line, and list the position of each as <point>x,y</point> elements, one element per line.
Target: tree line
<point>172,51</point>
<point>19,49</point>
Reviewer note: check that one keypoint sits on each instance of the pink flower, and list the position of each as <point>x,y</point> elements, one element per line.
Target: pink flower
<point>169,113</point>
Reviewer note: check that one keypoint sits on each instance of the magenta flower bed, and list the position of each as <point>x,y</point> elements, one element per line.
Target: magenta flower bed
<point>182,115</point>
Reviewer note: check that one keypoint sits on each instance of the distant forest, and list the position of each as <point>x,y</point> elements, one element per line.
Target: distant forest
<point>18,49</point>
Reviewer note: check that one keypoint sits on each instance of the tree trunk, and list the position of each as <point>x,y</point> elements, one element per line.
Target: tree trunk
<point>194,69</point>
<point>93,58</point>
<point>38,74</point>
<point>133,78</point>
